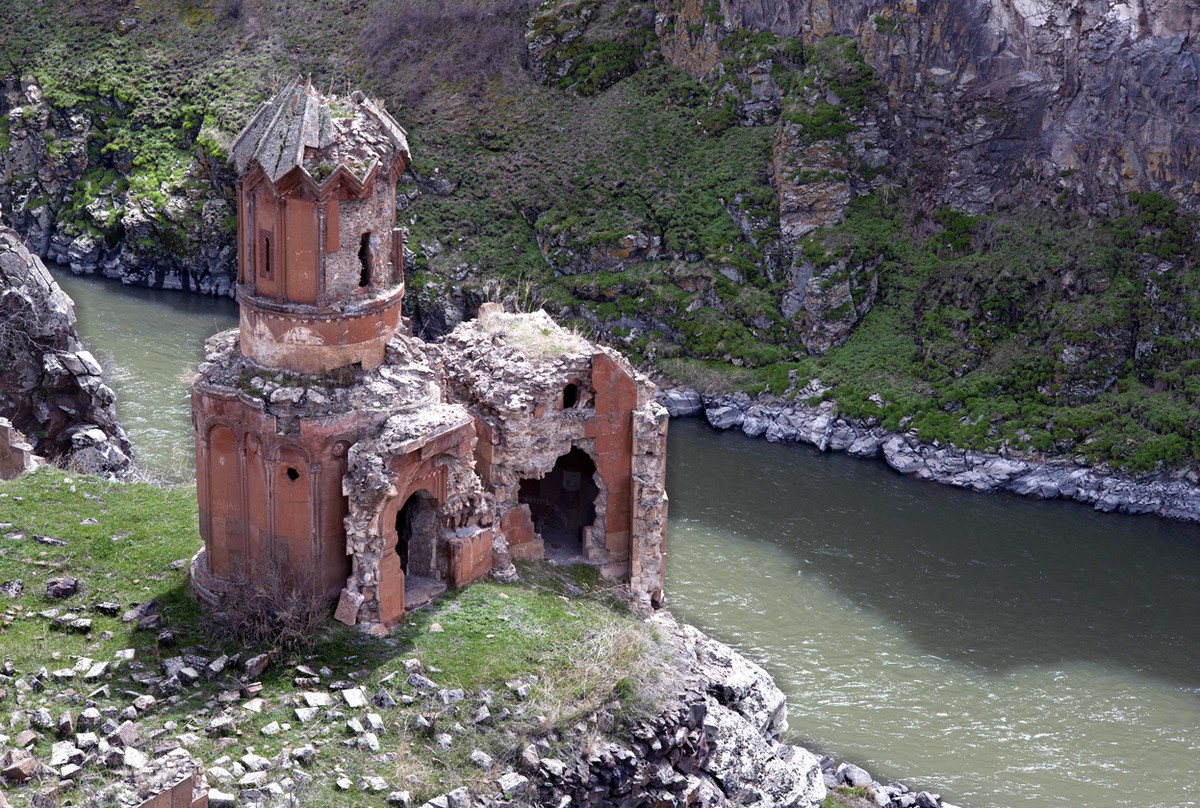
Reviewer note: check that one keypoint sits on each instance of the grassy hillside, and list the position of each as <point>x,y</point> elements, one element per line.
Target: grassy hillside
<point>576,656</point>
<point>558,161</point>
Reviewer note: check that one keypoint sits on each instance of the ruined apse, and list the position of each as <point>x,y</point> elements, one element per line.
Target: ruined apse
<point>338,453</point>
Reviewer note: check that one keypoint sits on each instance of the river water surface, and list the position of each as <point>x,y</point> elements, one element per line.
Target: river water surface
<point>1001,651</point>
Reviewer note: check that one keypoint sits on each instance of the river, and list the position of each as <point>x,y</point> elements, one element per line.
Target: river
<point>1000,651</point>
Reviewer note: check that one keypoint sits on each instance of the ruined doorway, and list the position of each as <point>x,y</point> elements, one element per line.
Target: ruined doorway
<point>563,504</point>
<point>416,536</point>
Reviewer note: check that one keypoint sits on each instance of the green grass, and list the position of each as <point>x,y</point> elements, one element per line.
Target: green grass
<point>562,631</point>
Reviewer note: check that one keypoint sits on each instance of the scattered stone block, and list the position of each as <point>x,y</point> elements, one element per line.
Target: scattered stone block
<point>221,725</point>
<point>254,763</point>
<point>221,799</point>
<point>145,704</point>
<point>374,722</point>
<point>95,671</point>
<point>134,758</point>
<point>482,759</point>
<point>20,766</point>
<point>257,665</point>
<point>253,779</point>
<point>513,785</point>
<point>315,698</point>
<point>66,725</point>
<point>272,729</point>
<point>383,699</point>
<point>371,741</point>
<point>421,682</point>
<point>354,698</point>
<point>214,668</point>
<point>25,738</point>
<point>347,608</point>
<point>374,784</point>
<point>126,735</point>
<point>61,587</point>
<point>306,714</point>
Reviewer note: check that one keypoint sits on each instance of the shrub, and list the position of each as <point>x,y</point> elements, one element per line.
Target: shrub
<point>281,605</point>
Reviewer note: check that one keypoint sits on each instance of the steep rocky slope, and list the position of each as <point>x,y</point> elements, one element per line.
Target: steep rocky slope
<point>995,96</point>
<point>979,214</point>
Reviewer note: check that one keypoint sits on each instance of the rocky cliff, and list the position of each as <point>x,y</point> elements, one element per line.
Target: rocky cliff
<point>995,99</point>
<point>51,387</point>
<point>80,196</point>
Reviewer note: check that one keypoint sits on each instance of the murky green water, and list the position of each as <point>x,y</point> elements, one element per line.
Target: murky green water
<point>1000,650</point>
<point>154,338</point>
<point>1003,651</point>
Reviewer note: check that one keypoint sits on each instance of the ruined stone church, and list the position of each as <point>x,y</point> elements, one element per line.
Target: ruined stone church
<point>335,449</point>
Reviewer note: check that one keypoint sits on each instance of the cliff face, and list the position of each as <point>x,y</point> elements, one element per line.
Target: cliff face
<point>81,197</point>
<point>51,386</point>
<point>994,97</point>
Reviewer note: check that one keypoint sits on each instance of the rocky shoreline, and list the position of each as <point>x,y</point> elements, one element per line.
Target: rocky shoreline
<point>1171,495</point>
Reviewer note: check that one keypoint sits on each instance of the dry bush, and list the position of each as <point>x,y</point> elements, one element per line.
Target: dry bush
<point>414,45</point>
<point>273,604</point>
<point>614,660</point>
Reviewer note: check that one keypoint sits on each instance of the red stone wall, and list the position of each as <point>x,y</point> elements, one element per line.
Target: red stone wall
<point>470,558</point>
<point>251,509</point>
<point>616,396</point>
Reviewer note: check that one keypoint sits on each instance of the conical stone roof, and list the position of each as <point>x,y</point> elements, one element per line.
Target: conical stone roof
<point>321,135</point>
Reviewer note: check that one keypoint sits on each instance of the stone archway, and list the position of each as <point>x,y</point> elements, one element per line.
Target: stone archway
<point>416,529</point>
<point>563,504</point>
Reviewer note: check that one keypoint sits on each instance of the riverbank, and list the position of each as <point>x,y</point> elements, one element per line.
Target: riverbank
<point>1173,495</point>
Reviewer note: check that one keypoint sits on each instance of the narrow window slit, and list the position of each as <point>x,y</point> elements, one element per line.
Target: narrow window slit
<point>364,257</point>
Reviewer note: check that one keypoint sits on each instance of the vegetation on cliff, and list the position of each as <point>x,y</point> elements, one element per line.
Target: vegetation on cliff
<point>757,226</point>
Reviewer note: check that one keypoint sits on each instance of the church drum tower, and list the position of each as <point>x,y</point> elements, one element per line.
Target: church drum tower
<point>320,283</point>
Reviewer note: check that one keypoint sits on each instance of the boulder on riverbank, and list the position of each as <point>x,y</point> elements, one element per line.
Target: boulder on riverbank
<point>53,390</point>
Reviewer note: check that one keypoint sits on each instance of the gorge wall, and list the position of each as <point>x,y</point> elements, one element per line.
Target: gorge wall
<point>727,190</point>
<point>991,97</point>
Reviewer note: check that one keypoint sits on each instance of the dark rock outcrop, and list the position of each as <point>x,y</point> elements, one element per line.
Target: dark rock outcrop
<point>997,97</point>
<point>52,388</point>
